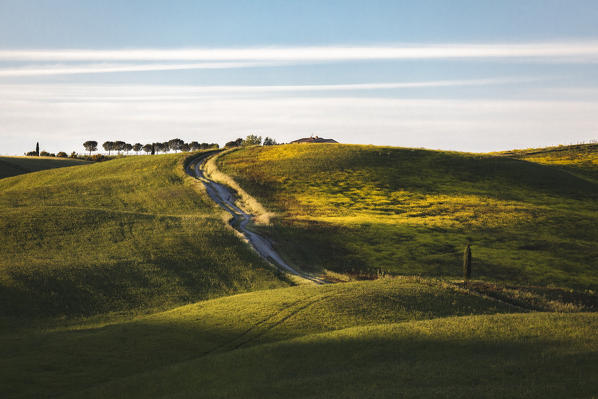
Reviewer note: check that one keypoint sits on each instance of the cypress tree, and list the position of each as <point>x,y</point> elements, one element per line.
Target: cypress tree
<point>153,148</point>
<point>467,263</point>
<point>37,148</point>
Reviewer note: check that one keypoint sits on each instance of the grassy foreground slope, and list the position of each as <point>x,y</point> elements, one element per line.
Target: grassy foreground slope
<point>361,208</point>
<point>516,356</point>
<point>127,234</point>
<point>205,346</point>
<point>13,166</point>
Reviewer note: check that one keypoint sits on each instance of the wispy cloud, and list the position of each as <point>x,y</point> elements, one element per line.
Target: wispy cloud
<point>160,92</point>
<point>579,51</point>
<point>104,68</point>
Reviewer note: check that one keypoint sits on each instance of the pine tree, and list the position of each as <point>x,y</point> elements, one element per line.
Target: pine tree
<point>467,263</point>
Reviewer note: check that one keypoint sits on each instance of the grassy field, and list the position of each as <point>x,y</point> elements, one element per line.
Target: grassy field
<point>514,356</point>
<point>121,278</point>
<point>13,166</point>
<point>360,209</point>
<point>130,234</point>
<point>580,159</point>
<point>304,341</point>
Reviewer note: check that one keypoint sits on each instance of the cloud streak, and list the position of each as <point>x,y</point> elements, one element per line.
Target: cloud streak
<point>159,92</point>
<point>579,51</point>
<point>102,68</point>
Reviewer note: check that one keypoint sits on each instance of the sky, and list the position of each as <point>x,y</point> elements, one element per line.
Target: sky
<point>475,75</point>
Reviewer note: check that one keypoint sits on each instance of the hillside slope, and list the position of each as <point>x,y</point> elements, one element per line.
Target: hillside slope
<point>501,356</point>
<point>13,166</point>
<point>125,235</point>
<point>358,209</point>
<point>67,359</point>
<point>579,159</point>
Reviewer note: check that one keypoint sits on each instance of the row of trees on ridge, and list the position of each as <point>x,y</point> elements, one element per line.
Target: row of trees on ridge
<point>153,148</point>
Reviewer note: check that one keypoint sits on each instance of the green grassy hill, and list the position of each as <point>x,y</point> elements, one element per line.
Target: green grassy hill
<point>357,209</point>
<point>13,166</point>
<point>579,159</point>
<point>320,341</point>
<point>130,234</point>
<point>114,277</point>
<point>502,356</point>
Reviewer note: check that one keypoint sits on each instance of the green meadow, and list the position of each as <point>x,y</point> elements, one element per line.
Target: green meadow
<point>12,166</point>
<point>365,210</point>
<point>412,335</point>
<point>127,235</point>
<point>122,279</point>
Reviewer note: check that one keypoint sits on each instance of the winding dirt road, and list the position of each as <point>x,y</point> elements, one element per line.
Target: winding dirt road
<point>226,198</point>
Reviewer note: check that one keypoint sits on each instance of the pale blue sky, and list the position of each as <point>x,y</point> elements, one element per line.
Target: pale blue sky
<point>463,75</point>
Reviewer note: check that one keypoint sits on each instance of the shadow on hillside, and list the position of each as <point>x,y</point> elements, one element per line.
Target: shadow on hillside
<point>472,357</point>
<point>525,253</point>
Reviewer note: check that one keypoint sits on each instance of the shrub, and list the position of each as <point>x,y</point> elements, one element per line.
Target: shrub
<point>62,154</point>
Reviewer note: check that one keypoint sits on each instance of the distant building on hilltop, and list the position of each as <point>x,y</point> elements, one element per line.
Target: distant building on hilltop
<point>314,139</point>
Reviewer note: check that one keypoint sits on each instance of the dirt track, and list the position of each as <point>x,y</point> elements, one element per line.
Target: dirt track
<point>225,197</point>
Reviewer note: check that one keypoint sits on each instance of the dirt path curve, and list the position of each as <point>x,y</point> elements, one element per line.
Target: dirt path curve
<point>225,197</point>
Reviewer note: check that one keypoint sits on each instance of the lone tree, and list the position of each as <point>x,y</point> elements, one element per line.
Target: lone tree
<point>137,147</point>
<point>37,149</point>
<point>90,146</point>
<point>108,146</point>
<point>467,263</point>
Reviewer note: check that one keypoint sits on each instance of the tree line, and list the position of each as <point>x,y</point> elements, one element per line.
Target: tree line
<point>154,148</point>
<point>151,148</point>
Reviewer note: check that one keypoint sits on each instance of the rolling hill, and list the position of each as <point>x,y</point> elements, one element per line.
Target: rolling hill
<point>130,234</point>
<point>13,166</point>
<point>408,334</point>
<point>122,278</point>
<point>364,209</point>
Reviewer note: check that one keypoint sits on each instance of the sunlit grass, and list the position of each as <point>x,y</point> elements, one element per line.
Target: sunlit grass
<point>129,234</point>
<point>89,353</point>
<point>521,355</point>
<point>363,208</point>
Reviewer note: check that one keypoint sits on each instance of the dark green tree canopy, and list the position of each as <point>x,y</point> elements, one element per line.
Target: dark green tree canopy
<point>108,146</point>
<point>194,146</point>
<point>175,144</point>
<point>252,139</point>
<point>90,146</point>
<point>270,141</point>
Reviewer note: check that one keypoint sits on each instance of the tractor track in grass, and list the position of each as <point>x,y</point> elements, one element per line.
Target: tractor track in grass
<point>226,199</point>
